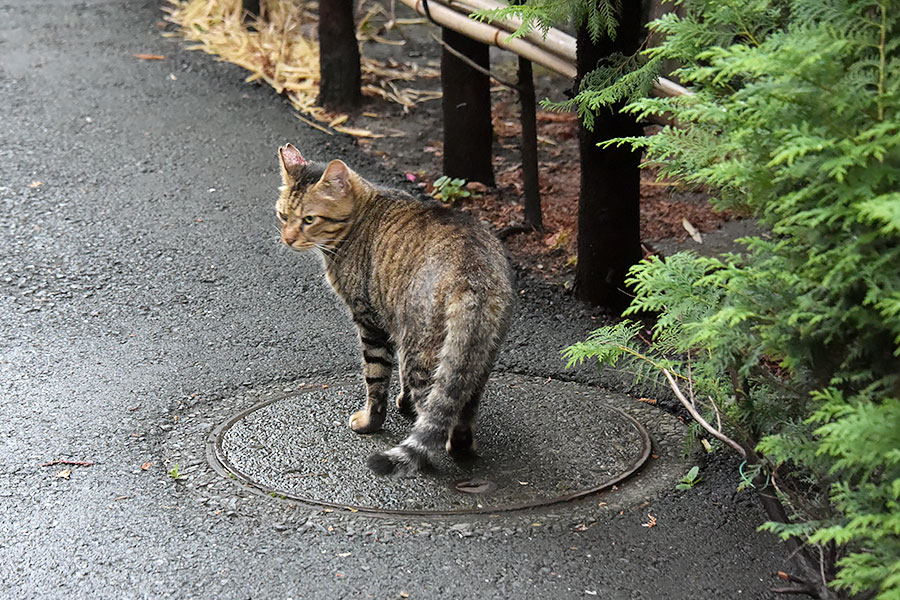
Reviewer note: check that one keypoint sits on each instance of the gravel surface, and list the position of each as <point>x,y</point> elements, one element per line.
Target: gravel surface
<point>142,288</point>
<point>296,444</point>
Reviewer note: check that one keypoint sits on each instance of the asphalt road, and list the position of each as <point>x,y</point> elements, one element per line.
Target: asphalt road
<point>144,295</point>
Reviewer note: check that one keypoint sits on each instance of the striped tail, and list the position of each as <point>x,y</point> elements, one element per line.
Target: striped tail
<point>475,330</point>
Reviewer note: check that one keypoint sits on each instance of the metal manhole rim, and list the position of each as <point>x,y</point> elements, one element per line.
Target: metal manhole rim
<point>215,456</point>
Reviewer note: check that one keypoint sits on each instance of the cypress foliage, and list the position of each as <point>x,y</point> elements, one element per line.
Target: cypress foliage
<point>793,343</point>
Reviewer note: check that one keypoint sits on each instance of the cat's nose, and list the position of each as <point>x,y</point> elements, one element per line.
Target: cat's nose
<point>288,239</point>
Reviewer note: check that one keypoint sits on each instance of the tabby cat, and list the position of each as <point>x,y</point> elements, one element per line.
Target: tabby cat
<point>423,284</point>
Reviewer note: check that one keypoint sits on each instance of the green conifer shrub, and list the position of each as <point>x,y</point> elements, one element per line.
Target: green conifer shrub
<point>789,350</point>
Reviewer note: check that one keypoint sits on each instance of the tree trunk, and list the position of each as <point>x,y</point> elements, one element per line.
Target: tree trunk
<point>251,7</point>
<point>339,71</point>
<point>466,104</point>
<point>609,203</point>
<point>528,120</point>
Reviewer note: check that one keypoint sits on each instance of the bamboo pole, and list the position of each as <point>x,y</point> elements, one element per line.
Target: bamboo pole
<point>666,88</point>
<point>556,41</point>
<point>556,52</point>
<point>488,34</point>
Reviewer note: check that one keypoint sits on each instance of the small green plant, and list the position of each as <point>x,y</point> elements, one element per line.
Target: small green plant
<point>691,479</point>
<point>175,473</point>
<point>450,190</point>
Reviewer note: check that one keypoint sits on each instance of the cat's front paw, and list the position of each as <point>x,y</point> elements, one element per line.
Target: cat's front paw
<point>362,421</point>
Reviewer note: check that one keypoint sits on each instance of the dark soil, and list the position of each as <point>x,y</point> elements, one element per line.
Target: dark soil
<point>413,146</point>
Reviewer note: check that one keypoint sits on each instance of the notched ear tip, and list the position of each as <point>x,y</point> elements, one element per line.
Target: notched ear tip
<point>290,156</point>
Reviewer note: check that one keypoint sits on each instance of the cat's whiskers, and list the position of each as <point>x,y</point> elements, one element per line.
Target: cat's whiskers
<point>326,249</point>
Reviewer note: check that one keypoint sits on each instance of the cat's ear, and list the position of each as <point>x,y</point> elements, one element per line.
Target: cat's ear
<point>337,176</point>
<point>291,159</point>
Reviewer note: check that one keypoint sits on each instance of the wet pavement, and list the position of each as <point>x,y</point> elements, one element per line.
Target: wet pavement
<point>145,301</point>
<point>296,445</point>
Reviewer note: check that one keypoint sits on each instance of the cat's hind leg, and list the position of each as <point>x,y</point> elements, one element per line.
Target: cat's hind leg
<point>464,361</point>
<point>378,359</point>
<point>461,443</point>
<point>413,384</point>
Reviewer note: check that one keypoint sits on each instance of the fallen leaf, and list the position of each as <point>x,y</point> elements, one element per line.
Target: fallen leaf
<point>146,466</point>
<point>783,575</point>
<point>150,56</point>
<point>651,522</point>
<point>648,400</point>
<point>404,594</point>
<point>475,486</point>
<point>34,184</point>
<point>692,231</point>
<point>357,132</point>
<point>64,474</point>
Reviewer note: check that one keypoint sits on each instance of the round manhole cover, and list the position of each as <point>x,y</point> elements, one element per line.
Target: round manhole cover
<point>539,443</point>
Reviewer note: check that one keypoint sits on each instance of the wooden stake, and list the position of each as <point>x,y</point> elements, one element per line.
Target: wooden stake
<point>528,120</point>
<point>466,105</point>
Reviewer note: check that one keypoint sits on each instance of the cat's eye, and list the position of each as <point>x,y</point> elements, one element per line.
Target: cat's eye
<point>282,217</point>
<point>309,220</point>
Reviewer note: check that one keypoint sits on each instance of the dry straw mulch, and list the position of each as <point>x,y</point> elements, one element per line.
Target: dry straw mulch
<point>281,49</point>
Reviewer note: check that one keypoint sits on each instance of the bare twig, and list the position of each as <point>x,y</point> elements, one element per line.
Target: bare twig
<point>77,463</point>
<point>822,566</point>
<point>806,591</point>
<point>474,64</point>
<point>699,418</point>
<point>690,383</point>
<point>718,415</point>
<point>512,230</point>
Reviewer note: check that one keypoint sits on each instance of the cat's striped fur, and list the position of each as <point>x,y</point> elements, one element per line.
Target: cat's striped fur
<point>424,285</point>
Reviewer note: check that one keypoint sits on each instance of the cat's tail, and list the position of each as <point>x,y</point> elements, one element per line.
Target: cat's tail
<point>475,328</point>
